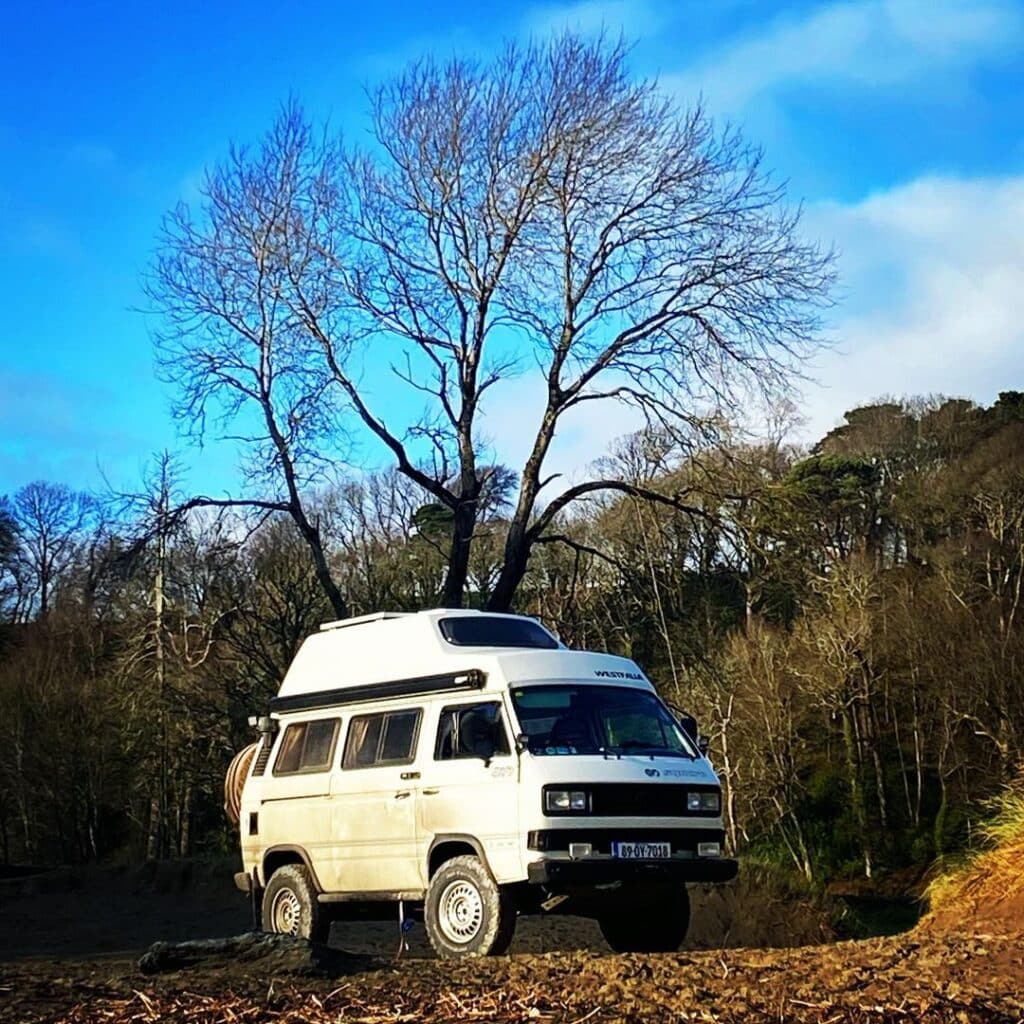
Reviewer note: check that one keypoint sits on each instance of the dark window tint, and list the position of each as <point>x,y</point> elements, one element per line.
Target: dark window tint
<point>363,741</point>
<point>307,747</point>
<point>385,738</point>
<point>316,752</point>
<point>291,749</point>
<point>494,631</point>
<point>473,730</point>
<point>399,735</point>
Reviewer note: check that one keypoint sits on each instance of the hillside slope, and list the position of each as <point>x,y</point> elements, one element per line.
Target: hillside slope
<point>986,891</point>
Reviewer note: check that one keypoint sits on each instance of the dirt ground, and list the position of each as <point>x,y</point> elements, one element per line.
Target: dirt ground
<point>69,947</point>
<point>107,911</point>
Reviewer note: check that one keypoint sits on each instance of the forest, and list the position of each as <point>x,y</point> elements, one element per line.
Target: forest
<point>842,617</point>
<point>844,620</point>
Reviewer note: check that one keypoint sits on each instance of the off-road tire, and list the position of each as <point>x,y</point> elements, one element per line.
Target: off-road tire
<point>648,928</point>
<point>290,906</point>
<point>466,913</point>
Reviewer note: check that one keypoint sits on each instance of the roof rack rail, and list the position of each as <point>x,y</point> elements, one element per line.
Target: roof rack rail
<point>359,620</point>
<point>470,679</point>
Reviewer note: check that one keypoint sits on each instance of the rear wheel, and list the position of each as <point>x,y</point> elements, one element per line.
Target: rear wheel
<point>290,905</point>
<point>466,913</point>
<point>648,927</point>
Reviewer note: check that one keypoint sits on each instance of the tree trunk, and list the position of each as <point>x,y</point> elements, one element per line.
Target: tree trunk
<point>519,542</point>
<point>158,799</point>
<point>876,760</point>
<point>939,826</point>
<point>517,556</point>
<point>457,573</point>
<point>323,572</point>
<point>153,829</point>
<point>185,823</point>
<point>5,846</point>
<point>918,763</point>
<point>856,791</point>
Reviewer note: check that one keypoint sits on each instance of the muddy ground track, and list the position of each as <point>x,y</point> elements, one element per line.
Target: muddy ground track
<point>69,949</point>
<point>915,977</point>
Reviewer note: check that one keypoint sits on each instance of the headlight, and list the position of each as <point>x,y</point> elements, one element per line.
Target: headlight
<point>706,803</point>
<point>565,801</point>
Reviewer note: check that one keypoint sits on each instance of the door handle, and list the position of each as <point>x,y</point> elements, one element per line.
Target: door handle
<point>403,794</point>
<point>430,792</point>
<point>410,775</point>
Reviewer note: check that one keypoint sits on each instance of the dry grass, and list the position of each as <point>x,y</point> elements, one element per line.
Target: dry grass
<point>994,874</point>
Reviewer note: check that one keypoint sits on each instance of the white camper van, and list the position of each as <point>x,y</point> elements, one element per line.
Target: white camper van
<point>469,765</point>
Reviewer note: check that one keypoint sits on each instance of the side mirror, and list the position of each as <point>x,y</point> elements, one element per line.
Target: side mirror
<point>689,725</point>
<point>522,743</point>
<point>703,744</point>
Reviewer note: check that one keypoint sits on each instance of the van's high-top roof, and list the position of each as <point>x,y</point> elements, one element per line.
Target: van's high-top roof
<point>389,646</point>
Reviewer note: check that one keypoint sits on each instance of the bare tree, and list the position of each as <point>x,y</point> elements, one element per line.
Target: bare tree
<point>230,338</point>
<point>548,207</point>
<point>50,521</point>
<point>8,559</point>
<point>541,210</point>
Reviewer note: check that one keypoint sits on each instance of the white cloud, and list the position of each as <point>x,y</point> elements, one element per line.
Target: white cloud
<point>513,413</point>
<point>872,43</point>
<point>590,17</point>
<point>933,281</point>
<point>932,302</point>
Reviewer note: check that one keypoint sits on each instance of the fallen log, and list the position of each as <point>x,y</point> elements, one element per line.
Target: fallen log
<point>284,954</point>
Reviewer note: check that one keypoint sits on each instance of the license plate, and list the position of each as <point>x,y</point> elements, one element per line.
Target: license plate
<point>642,851</point>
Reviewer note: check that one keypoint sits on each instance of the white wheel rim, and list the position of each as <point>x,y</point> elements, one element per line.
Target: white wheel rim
<point>460,911</point>
<point>285,912</point>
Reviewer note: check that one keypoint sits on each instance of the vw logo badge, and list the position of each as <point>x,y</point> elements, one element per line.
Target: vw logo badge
<point>651,772</point>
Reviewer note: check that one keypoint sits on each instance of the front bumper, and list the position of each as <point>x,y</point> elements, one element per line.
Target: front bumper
<point>606,871</point>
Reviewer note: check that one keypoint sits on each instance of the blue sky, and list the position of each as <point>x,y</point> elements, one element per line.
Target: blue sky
<point>900,123</point>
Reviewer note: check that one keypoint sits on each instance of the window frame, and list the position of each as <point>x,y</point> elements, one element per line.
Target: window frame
<point>503,722</point>
<point>391,763</point>
<point>305,724</point>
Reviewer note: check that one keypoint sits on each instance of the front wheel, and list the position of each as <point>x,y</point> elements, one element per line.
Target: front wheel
<point>466,913</point>
<point>290,905</point>
<point>646,928</point>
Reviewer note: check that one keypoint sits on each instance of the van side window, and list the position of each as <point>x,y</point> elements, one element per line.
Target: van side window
<point>307,747</point>
<point>472,730</point>
<point>385,738</point>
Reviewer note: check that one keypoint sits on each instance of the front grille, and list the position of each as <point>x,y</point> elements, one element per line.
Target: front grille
<point>683,840</point>
<point>641,799</point>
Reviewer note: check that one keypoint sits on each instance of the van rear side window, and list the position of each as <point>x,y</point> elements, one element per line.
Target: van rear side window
<point>385,738</point>
<point>307,747</point>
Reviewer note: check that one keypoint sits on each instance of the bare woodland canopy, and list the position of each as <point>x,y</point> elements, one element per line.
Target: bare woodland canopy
<point>845,623</point>
<point>844,619</point>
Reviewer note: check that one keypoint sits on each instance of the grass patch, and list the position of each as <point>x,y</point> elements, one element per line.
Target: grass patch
<point>995,871</point>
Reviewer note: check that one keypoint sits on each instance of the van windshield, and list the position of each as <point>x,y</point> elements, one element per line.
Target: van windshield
<point>565,718</point>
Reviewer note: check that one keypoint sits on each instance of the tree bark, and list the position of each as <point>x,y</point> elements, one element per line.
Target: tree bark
<point>464,525</point>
